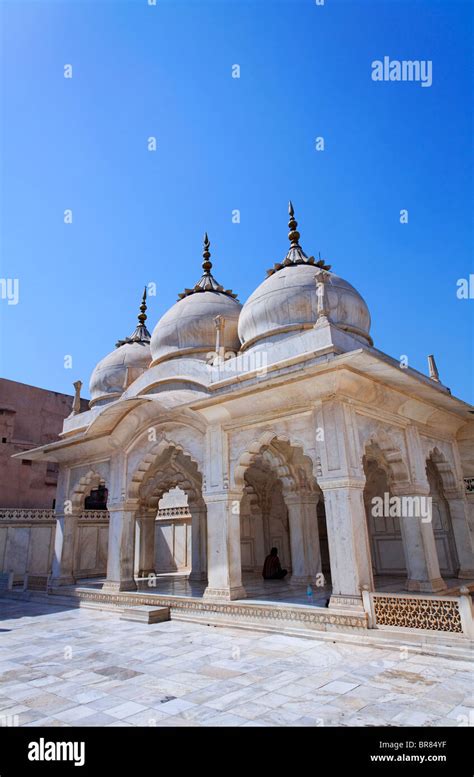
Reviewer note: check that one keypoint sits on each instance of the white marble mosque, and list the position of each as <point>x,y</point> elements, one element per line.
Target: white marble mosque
<point>234,428</point>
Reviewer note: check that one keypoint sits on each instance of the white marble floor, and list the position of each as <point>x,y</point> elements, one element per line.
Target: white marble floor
<point>257,589</point>
<point>66,667</point>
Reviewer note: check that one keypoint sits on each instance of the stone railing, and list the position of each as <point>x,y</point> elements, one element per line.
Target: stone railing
<point>94,515</point>
<point>29,515</point>
<point>434,613</point>
<point>174,512</point>
<point>25,515</point>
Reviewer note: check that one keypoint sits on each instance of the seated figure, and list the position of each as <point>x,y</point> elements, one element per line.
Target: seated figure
<point>272,568</point>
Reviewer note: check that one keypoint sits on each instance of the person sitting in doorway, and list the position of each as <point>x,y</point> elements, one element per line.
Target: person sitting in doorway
<point>272,568</point>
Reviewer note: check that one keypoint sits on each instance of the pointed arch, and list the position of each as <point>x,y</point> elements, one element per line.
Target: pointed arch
<point>83,488</point>
<point>147,465</point>
<point>380,447</point>
<point>444,468</point>
<point>292,466</point>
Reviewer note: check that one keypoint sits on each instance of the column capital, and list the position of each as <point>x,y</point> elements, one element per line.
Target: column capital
<point>329,484</point>
<point>146,515</point>
<point>127,505</point>
<point>454,493</point>
<point>298,497</point>
<point>410,489</point>
<point>222,496</point>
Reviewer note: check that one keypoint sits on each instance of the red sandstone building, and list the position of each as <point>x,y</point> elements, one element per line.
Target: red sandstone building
<point>29,416</point>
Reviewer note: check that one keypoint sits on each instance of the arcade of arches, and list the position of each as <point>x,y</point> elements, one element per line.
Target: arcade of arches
<point>281,503</point>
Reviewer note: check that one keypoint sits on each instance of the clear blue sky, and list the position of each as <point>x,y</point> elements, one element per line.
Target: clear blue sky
<point>225,144</point>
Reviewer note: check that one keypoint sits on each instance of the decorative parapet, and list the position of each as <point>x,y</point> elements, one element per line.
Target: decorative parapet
<point>469,485</point>
<point>174,512</point>
<point>33,515</point>
<point>101,516</point>
<point>417,612</point>
<point>26,515</point>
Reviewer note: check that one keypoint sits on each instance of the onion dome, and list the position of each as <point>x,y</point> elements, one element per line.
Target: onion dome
<point>203,316</point>
<point>287,301</point>
<point>115,373</point>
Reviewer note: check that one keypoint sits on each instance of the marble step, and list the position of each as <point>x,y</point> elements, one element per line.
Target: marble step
<point>145,614</point>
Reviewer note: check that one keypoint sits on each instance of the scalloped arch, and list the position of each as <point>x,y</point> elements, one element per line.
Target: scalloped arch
<point>295,470</point>
<point>444,468</point>
<point>383,448</point>
<point>142,471</point>
<point>83,488</point>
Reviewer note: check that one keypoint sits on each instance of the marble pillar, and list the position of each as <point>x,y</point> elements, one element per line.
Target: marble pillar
<point>458,510</point>
<point>348,540</point>
<point>145,544</point>
<point>224,566</point>
<point>419,547</point>
<point>198,542</point>
<point>304,538</point>
<point>65,541</point>
<point>121,552</point>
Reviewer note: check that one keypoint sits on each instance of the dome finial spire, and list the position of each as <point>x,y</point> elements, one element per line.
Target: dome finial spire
<point>206,265</point>
<point>207,282</point>
<point>141,333</point>
<point>295,254</point>
<point>293,235</point>
<point>142,316</point>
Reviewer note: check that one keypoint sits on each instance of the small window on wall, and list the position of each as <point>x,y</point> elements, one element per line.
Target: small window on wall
<point>52,469</point>
<point>97,499</point>
<point>26,463</point>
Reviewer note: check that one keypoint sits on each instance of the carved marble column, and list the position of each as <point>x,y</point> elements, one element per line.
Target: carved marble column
<point>145,544</point>
<point>198,542</point>
<point>304,538</point>
<point>458,509</point>
<point>419,546</point>
<point>342,481</point>
<point>65,538</point>
<point>121,553</point>
<point>224,566</point>
<point>65,541</point>
<point>349,551</point>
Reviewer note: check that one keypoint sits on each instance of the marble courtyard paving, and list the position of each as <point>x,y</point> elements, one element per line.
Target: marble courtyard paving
<point>66,667</point>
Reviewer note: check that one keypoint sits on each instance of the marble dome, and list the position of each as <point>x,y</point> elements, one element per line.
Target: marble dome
<point>189,327</point>
<point>117,371</point>
<point>286,302</point>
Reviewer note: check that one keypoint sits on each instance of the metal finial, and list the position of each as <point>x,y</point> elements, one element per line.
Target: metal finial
<point>143,317</point>
<point>295,254</point>
<point>141,333</point>
<point>207,282</point>
<point>293,235</point>
<point>206,265</point>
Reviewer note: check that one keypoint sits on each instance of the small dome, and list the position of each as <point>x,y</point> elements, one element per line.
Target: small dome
<point>287,301</point>
<point>189,328</point>
<point>117,371</point>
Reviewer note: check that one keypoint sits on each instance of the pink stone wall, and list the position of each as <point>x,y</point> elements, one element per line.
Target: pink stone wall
<point>29,417</point>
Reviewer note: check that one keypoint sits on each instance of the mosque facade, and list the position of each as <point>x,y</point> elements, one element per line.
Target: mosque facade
<point>231,429</point>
